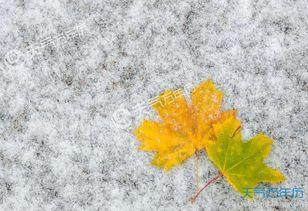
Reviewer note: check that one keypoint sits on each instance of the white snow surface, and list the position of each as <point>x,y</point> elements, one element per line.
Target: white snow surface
<point>67,67</point>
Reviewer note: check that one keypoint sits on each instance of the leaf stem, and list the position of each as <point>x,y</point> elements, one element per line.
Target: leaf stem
<point>193,199</point>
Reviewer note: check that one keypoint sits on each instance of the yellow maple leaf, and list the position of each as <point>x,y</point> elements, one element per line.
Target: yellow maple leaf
<point>185,129</point>
<point>241,163</point>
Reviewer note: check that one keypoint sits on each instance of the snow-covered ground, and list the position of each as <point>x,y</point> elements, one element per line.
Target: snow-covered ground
<point>75,77</point>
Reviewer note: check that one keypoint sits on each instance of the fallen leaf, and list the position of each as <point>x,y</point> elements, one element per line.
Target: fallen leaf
<point>241,163</point>
<point>185,129</point>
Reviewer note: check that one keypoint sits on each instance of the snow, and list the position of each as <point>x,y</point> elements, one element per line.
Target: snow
<point>60,148</point>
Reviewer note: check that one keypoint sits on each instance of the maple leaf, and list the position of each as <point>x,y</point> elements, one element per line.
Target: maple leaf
<point>241,163</point>
<point>185,129</point>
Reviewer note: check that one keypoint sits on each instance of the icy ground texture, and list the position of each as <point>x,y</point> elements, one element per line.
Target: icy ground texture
<point>59,148</point>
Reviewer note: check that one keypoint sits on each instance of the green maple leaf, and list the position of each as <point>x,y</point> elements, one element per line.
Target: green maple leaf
<point>242,164</point>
